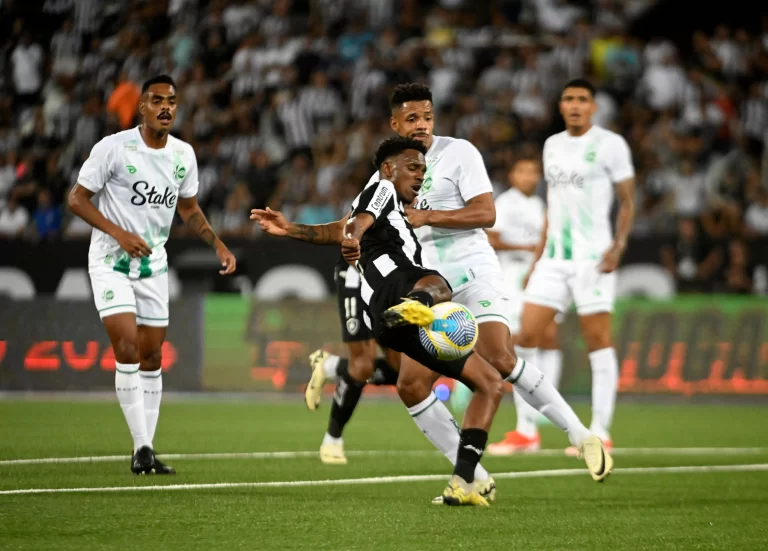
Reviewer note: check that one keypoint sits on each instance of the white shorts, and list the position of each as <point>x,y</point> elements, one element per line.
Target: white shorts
<point>486,298</point>
<point>114,293</point>
<point>558,283</point>
<point>516,302</point>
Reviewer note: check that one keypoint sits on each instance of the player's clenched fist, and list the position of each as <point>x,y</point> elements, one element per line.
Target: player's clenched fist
<point>350,249</point>
<point>134,245</point>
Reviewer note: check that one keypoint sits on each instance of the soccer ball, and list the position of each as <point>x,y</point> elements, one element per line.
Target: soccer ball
<point>453,333</point>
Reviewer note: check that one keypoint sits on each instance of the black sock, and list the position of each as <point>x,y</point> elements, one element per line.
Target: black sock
<point>345,400</point>
<point>471,448</point>
<point>383,374</point>
<point>342,369</point>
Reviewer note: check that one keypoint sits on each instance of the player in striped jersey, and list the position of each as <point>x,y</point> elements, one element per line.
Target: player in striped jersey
<point>381,242</point>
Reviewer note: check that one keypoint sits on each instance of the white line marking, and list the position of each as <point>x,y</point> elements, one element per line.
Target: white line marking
<point>384,480</point>
<point>560,452</point>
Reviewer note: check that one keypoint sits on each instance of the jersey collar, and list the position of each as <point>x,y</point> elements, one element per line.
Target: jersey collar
<point>151,150</point>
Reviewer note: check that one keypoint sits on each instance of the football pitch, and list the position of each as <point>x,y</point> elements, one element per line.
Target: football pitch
<point>687,477</point>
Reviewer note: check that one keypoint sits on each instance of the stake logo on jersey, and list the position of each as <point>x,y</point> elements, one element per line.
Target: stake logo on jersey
<point>556,176</point>
<point>144,206</point>
<point>146,195</point>
<point>580,173</point>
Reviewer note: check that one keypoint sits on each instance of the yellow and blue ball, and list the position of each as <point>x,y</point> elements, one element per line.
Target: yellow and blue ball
<point>453,333</point>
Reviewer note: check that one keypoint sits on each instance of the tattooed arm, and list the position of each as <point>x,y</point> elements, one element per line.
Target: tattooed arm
<point>274,223</point>
<point>193,217</point>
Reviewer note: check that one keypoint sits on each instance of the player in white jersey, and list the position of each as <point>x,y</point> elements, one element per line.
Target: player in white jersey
<point>520,216</point>
<point>141,177</point>
<point>585,167</point>
<point>455,203</point>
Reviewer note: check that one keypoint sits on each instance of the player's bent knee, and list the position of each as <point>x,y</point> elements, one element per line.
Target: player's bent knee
<point>412,392</point>
<point>503,363</point>
<point>492,385</point>
<point>361,368</point>
<point>126,351</point>
<point>597,340</point>
<point>526,339</point>
<point>151,360</point>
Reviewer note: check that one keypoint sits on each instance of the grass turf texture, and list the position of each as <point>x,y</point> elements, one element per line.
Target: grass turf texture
<point>720,510</point>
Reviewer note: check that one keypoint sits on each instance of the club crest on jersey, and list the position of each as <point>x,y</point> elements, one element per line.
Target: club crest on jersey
<point>591,154</point>
<point>352,326</point>
<point>179,172</point>
<point>145,195</point>
<point>108,295</point>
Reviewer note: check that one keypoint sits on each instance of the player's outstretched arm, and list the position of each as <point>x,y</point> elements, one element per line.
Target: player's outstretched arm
<point>480,212</point>
<point>190,212</point>
<point>79,202</point>
<point>625,193</point>
<point>274,223</point>
<point>353,233</point>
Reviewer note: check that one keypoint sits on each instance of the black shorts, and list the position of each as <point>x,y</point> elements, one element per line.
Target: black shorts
<point>406,339</point>
<point>353,328</point>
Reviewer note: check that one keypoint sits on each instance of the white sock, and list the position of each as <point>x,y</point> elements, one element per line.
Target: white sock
<point>330,366</point>
<point>605,382</point>
<point>439,426</point>
<point>131,398</point>
<point>550,363</point>
<point>328,439</point>
<point>526,413</point>
<point>539,392</point>
<point>152,383</point>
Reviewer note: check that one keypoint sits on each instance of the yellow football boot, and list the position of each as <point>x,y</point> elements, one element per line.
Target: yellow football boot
<point>408,312</point>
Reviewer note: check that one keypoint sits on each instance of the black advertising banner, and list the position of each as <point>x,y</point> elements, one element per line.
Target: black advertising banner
<point>272,268</point>
<point>47,344</point>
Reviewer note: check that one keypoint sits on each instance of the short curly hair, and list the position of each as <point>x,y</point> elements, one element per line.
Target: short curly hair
<point>394,146</point>
<point>412,91</point>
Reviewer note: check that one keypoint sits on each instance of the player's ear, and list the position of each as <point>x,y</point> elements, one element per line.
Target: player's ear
<point>393,124</point>
<point>142,106</point>
<point>387,168</point>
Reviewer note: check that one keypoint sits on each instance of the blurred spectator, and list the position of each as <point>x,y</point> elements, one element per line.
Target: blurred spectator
<point>693,260</point>
<point>756,217</point>
<point>13,219</point>
<point>284,101</point>
<point>27,62</point>
<point>233,220</point>
<point>124,101</point>
<point>687,186</point>
<point>47,216</point>
<point>7,175</point>
<point>737,275</point>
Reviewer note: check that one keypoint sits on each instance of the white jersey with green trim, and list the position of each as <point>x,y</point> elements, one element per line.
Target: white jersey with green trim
<point>455,174</point>
<point>137,188</point>
<point>580,172</point>
<point>519,221</point>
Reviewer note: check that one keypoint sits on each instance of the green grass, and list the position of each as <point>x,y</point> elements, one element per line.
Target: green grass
<point>631,511</point>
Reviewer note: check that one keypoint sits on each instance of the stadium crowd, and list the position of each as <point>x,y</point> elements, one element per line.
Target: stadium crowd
<point>284,101</point>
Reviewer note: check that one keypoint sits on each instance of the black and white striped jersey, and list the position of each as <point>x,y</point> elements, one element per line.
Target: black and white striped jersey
<point>390,243</point>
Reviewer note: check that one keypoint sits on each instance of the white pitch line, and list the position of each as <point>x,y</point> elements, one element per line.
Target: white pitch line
<point>373,453</point>
<point>383,480</point>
